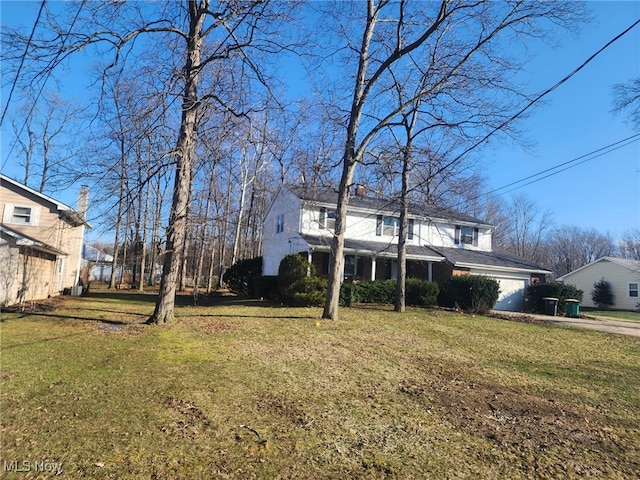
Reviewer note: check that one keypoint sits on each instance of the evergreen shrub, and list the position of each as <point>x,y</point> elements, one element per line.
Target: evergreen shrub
<point>538,292</point>
<point>470,293</point>
<point>240,277</point>
<point>602,294</point>
<point>297,284</point>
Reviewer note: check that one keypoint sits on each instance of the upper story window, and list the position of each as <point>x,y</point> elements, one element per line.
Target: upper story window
<point>390,226</point>
<point>280,224</point>
<point>21,215</point>
<point>466,235</point>
<point>633,290</point>
<point>327,219</point>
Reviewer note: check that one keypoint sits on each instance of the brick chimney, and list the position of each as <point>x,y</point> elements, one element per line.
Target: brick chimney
<point>83,202</point>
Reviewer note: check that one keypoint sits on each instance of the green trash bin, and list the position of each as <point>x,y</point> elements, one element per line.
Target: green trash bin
<point>572,308</point>
<point>550,306</point>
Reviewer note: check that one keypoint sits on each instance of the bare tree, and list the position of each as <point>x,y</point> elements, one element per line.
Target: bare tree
<point>528,228</point>
<point>572,247</point>
<point>626,100</point>
<point>630,244</point>
<point>398,38</point>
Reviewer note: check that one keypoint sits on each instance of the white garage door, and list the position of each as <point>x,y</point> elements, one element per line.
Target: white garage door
<point>511,294</point>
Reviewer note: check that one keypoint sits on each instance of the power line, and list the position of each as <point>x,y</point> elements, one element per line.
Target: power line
<point>24,56</point>
<point>567,165</point>
<point>541,95</point>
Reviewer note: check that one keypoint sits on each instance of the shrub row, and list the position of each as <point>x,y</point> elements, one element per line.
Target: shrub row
<point>297,285</point>
<point>418,292</point>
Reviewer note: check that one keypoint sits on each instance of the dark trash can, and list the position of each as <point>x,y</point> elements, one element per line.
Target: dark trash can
<point>572,308</point>
<point>550,306</point>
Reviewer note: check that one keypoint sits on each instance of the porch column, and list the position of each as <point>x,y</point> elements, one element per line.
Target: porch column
<point>309,258</point>
<point>430,271</point>
<point>373,268</point>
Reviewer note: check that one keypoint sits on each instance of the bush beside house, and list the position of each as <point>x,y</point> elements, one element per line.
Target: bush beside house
<point>538,292</point>
<point>470,293</point>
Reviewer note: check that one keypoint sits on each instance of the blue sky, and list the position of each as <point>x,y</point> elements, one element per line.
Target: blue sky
<point>602,193</point>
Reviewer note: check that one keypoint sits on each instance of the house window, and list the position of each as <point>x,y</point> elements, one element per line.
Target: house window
<point>21,215</point>
<point>410,233</point>
<point>633,290</point>
<point>387,226</point>
<point>280,224</point>
<point>466,235</point>
<point>350,266</point>
<point>327,219</point>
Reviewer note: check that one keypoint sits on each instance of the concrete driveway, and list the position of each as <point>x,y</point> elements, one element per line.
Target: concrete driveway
<point>602,324</point>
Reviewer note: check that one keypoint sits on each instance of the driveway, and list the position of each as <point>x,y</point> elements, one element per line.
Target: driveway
<point>601,324</point>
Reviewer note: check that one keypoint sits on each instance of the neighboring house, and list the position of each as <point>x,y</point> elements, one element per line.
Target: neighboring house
<point>40,243</point>
<point>98,263</point>
<point>623,276</point>
<point>440,242</point>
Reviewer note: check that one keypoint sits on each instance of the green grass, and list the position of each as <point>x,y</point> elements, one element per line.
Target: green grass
<point>248,390</point>
<point>615,314</point>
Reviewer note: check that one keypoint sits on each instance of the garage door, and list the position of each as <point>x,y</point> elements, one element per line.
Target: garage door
<point>511,294</point>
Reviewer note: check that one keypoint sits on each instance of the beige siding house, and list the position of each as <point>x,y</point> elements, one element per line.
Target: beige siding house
<point>623,276</point>
<point>40,243</point>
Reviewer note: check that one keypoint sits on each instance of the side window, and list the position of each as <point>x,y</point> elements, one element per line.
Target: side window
<point>633,290</point>
<point>327,219</point>
<point>21,215</point>
<point>280,224</point>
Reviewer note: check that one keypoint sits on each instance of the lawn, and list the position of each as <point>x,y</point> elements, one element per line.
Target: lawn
<point>615,314</point>
<point>248,390</point>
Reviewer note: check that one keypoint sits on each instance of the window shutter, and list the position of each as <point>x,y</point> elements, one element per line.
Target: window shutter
<point>323,216</point>
<point>410,234</point>
<point>35,216</point>
<point>8,212</point>
<point>379,225</point>
<point>475,237</point>
<point>457,236</point>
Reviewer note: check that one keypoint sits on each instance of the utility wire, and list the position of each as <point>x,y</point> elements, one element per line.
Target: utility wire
<point>567,165</point>
<point>24,56</point>
<point>541,95</point>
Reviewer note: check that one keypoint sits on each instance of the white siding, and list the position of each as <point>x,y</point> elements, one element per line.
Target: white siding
<point>277,245</point>
<point>617,275</point>
<point>512,288</point>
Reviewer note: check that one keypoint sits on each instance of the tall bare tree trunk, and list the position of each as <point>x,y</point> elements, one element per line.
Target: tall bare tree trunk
<point>185,153</point>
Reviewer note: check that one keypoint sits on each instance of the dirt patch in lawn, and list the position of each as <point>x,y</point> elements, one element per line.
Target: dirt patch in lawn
<point>46,305</point>
<point>526,425</point>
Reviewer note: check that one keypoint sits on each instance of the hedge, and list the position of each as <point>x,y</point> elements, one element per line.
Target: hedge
<point>538,292</point>
<point>470,293</point>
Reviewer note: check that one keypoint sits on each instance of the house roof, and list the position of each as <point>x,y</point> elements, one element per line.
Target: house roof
<point>73,217</point>
<point>380,249</point>
<point>329,196</point>
<point>633,265</point>
<point>462,257</point>
<point>27,241</point>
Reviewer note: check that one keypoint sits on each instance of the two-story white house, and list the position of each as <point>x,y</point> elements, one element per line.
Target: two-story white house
<point>440,242</point>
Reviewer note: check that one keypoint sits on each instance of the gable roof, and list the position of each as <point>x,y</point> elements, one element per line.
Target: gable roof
<point>633,265</point>
<point>73,217</point>
<point>329,197</point>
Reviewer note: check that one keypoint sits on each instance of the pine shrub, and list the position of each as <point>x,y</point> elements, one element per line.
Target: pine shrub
<point>602,294</point>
